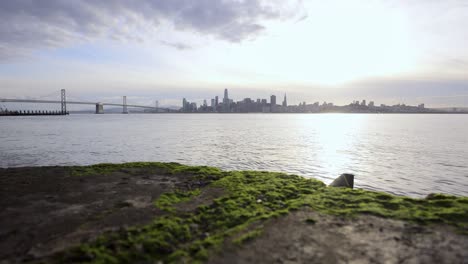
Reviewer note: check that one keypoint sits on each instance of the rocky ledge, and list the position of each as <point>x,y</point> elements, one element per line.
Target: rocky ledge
<point>168,212</point>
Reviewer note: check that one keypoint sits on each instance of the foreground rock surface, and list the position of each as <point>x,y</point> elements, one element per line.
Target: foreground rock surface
<point>48,209</point>
<point>331,239</point>
<point>144,212</point>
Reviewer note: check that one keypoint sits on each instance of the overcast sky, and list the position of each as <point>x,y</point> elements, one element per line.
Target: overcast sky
<point>408,51</point>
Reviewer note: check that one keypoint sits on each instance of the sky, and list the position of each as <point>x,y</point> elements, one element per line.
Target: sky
<point>412,51</point>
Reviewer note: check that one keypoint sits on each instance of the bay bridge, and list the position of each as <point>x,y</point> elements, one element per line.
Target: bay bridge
<point>99,106</point>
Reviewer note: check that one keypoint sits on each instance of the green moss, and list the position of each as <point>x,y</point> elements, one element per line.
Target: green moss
<point>107,168</point>
<point>167,200</point>
<point>247,236</point>
<point>250,197</point>
<point>167,168</point>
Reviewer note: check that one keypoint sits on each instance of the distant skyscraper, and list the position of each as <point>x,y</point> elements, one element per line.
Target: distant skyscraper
<point>273,103</point>
<point>226,102</point>
<point>285,103</point>
<point>184,104</point>
<point>204,103</point>
<point>213,103</point>
<point>216,101</point>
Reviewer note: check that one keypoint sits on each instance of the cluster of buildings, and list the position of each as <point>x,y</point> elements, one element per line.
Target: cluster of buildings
<point>227,105</point>
<point>248,105</point>
<point>362,107</point>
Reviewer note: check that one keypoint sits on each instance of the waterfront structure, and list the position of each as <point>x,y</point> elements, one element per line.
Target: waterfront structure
<point>285,102</point>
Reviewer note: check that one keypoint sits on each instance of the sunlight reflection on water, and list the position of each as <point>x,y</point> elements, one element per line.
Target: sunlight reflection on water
<point>402,154</point>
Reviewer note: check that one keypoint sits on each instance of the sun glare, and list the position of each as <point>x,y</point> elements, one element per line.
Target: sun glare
<point>336,43</point>
<point>334,138</point>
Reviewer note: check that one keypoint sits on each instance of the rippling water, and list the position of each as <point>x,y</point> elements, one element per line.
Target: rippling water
<point>402,154</point>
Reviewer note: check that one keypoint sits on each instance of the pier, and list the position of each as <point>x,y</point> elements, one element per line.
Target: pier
<point>31,113</point>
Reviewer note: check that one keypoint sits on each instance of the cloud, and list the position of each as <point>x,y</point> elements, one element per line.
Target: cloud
<point>28,25</point>
<point>176,45</point>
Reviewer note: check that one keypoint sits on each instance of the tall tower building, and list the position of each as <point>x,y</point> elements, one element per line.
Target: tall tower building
<point>216,101</point>
<point>273,100</point>
<point>273,103</point>
<point>285,103</point>
<point>226,102</point>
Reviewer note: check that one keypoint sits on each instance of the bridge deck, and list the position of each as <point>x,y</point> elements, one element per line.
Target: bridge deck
<point>5,100</point>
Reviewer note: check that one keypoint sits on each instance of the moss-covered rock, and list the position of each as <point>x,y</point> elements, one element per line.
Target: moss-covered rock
<point>167,168</point>
<point>250,197</point>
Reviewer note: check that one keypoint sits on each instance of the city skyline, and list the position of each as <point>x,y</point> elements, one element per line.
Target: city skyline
<point>262,105</point>
<point>392,51</point>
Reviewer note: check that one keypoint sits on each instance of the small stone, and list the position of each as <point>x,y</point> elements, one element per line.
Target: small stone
<point>259,201</point>
<point>344,180</point>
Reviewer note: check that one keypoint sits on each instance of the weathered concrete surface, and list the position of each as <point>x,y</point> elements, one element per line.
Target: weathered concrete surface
<point>45,210</point>
<point>305,236</point>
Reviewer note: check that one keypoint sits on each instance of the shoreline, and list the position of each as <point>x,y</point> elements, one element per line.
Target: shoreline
<point>171,212</point>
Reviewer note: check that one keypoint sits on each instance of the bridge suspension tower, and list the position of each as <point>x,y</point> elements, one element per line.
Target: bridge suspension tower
<point>63,102</point>
<point>124,103</point>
